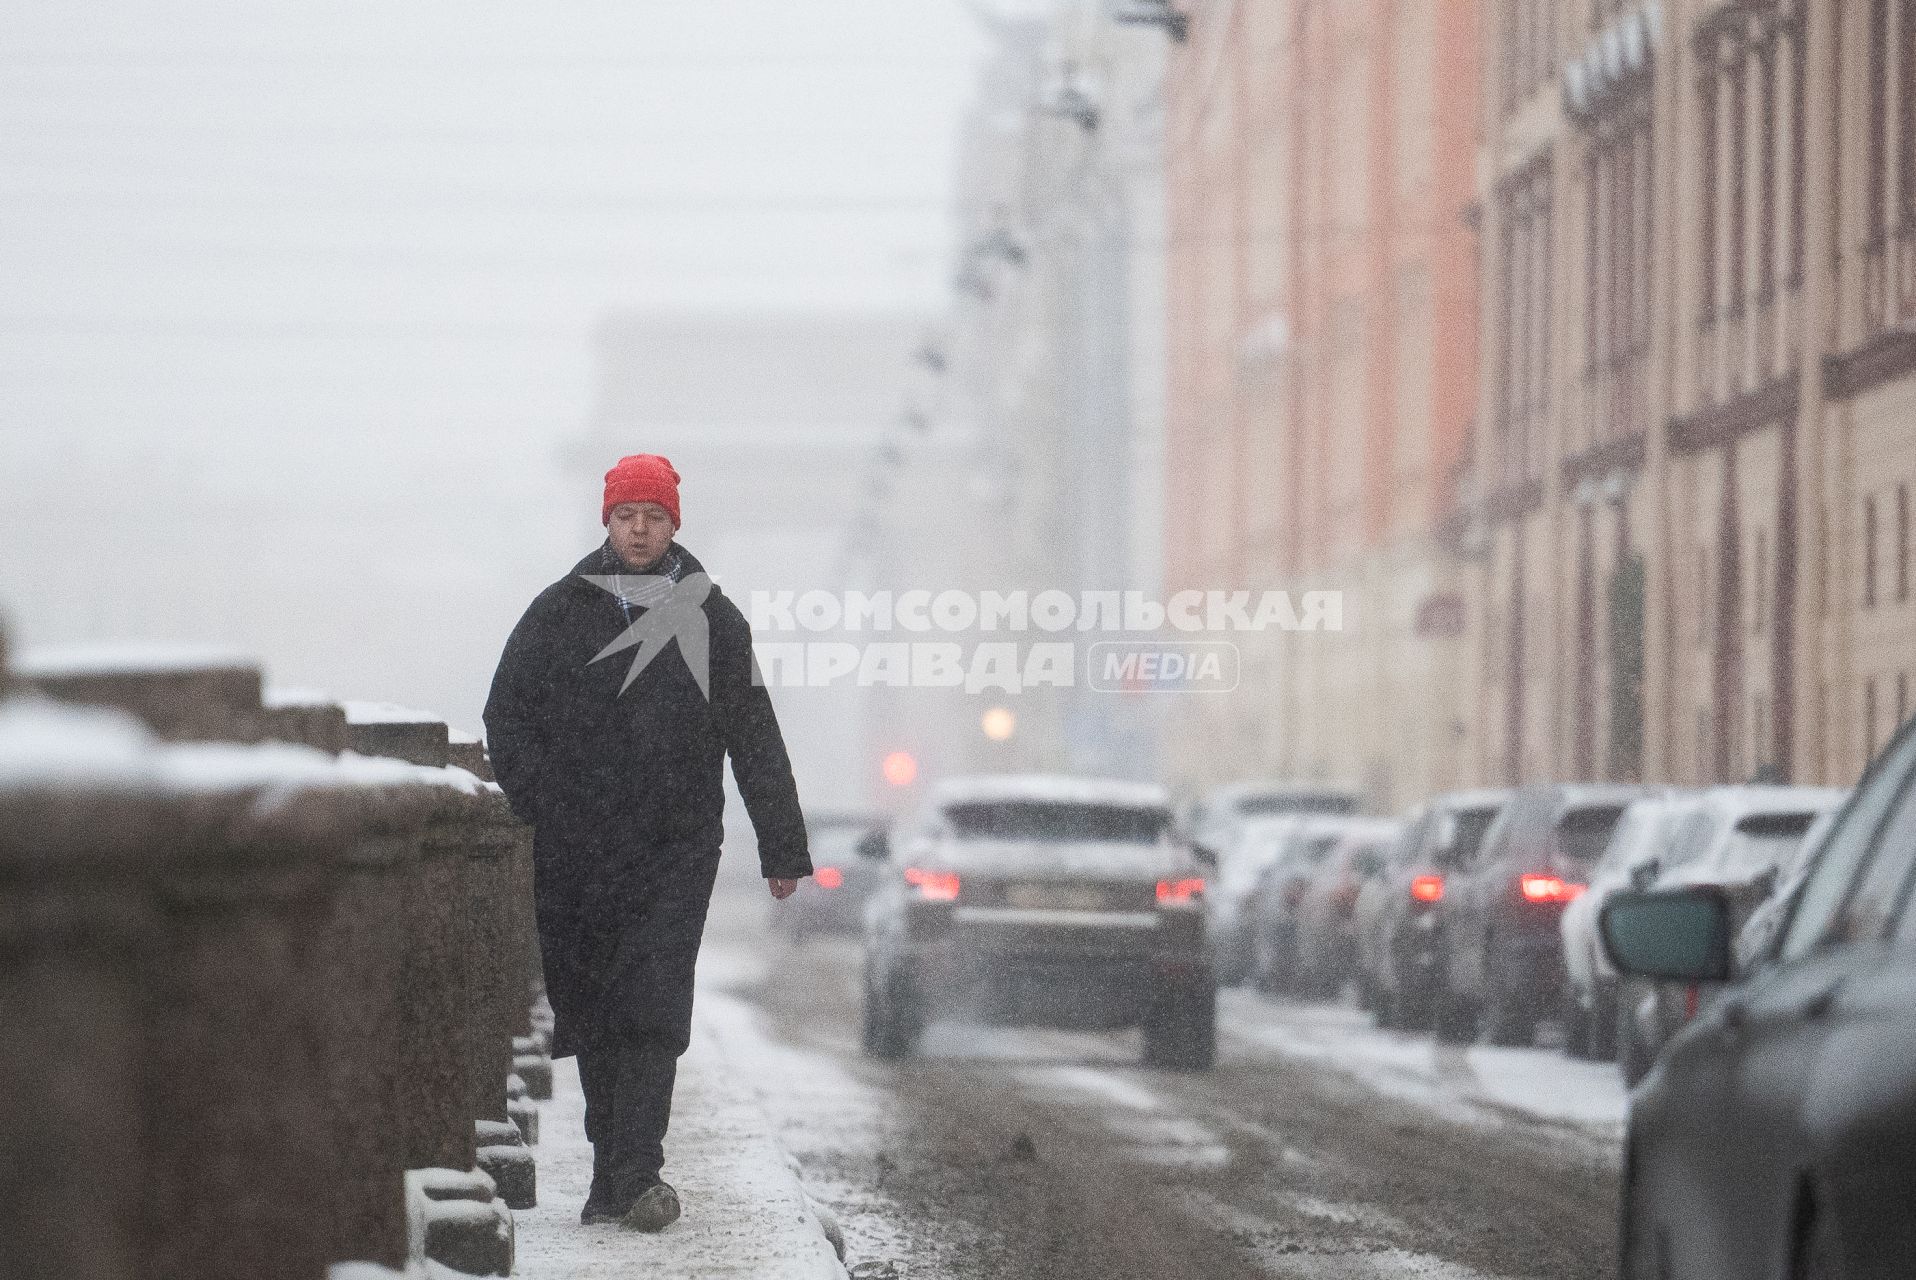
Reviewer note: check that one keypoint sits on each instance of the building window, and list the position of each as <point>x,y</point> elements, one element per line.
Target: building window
<point>1702,596</point>
<point>1524,276</point>
<point>1869,718</point>
<point>1902,544</point>
<point>1706,233</point>
<point>1617,227</point>
<point>1869,552</point>
<point>1746,169</point>
<point>1876,212</point>
<point>1769,141</point>
<point>1760,582</point>
<point>1739,185</point>
<point>1529,39</point>
<point>1906,119</point>
<point>1799,140</point>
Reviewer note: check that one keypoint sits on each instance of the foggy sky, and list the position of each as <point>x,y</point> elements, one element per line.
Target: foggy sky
<point>295,299</point>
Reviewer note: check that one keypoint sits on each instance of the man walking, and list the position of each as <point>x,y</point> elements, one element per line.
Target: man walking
<point>617,699</point>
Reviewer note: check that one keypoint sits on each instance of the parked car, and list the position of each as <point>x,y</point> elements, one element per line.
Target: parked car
<point>1210,820</point>
<point>1776,1135</point>
<point>1738,840</point>
<point>1760,931</point>
<point>1048,901</point>
<point>1396,920</point>
<point>1503,950</point>
<point>847,851</point>
<point>1326,952</point>
<point>1638,849</point>
<point>1231,879</point>
<point>1270,913</point>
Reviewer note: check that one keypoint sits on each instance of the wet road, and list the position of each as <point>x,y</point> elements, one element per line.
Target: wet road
<point>1317,1148</point>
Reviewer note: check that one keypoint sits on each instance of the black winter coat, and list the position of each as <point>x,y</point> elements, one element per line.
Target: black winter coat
<point>625,790</point>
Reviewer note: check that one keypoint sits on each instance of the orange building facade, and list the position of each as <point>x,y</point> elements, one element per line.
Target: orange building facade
<point>1323,368</point>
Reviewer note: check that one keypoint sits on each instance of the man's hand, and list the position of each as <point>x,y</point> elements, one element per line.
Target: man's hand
<point>782,887</point>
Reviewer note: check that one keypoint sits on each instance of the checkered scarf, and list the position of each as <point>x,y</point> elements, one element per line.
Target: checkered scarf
<point>641,591</point>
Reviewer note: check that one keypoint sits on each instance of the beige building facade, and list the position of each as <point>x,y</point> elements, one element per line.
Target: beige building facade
<point>1692,479</point>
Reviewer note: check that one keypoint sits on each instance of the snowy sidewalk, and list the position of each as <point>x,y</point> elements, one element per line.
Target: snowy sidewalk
<point>746,1214</point>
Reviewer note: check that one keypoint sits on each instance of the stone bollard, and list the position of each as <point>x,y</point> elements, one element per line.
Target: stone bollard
<point>488,835</point>
<point>451,897</point>
<point>182,694</point>
<point>381,729</point>
<point>309,719</point>
<point>437,982</point>
<point>523,1111</point>
<point>440,997</point>
<point>236,1140</point>
<point>374,814</point>
<point>460,1223</point>
<point>79,833</point>
<point>506,1159</point>
<point>464,751</point>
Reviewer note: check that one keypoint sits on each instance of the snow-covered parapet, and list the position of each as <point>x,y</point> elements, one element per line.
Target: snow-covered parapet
<point>272,978</point>
<point>182,692</point>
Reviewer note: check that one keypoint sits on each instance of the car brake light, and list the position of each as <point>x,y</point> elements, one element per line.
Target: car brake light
<point>1427,889</point>
<point>1180,890</point>
<point>933,886</point>
<point>1548,889</point>
<point>828,877</point>
<point>1692,1001</point>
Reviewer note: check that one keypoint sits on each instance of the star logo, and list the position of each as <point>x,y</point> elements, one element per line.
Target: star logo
<point>673,611</point>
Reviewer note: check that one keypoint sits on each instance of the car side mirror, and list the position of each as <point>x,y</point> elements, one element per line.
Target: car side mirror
<point>1204,855</point>
<point>1678,935</point>
<point>875,846</point>
<point>1645,873</point>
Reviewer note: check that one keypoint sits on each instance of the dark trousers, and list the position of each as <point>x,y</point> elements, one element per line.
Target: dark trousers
<point>628,1104</point>
<point>619,966</point>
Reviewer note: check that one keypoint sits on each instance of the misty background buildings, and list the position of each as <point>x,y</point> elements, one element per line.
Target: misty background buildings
<point>1569,341</point>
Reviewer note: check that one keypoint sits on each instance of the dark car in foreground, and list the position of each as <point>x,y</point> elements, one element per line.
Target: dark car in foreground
<point>1776,1135</point>
<point>1739,840</point>
<point>847,851</point>
<point>1501,913</point>
<point>1033,900</point>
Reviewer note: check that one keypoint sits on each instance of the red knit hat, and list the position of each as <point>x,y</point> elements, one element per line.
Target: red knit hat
<point>642,477</point>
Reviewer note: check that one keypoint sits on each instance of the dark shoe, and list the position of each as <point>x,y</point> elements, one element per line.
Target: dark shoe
<point>601,1205</point>
<point>655,1209</point>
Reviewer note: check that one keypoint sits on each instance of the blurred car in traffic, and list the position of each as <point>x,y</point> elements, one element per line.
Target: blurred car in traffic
<point>847,851</point>
<point>1736,840</point>
<point>1034,900</point>
<point>1503,950</point>
<point>1245,849</point>
<point>1638,848</point>
<point>1326,950</point>
<point>1210,820</point>
<point>1396,920</point>
<point>1776,1135</point>
<point>1270,913</point>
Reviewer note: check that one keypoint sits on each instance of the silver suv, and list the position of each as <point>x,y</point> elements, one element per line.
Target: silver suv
<point>1034,900</point>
